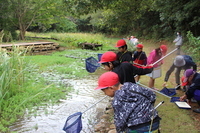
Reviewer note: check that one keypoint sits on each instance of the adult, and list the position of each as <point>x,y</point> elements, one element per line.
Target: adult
<point>134,40</point>
<point>181,62</point>
<point>123,55</point>
<point>126,71</point>
<point>178,42</point>
<point>139,58</point>
<point>133,105</point>
<point>154,56</point>
<point>193,78</point>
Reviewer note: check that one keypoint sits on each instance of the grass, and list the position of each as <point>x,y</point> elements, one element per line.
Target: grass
<point>33,92</point>
<point>23,88</point>
<point>174,120</point>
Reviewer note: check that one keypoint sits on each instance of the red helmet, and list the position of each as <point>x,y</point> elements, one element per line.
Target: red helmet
<point>139,46</point>
<point>108,57</point>
<point>163,49</point>
<point>120,43</point>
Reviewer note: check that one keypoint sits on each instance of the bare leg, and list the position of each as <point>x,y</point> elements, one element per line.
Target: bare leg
<point>151,82</point>
<point>137,78</point>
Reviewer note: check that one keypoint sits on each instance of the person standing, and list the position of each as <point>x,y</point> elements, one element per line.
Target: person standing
<point>139,58</point>
<point>193,78</point>
<point>180,62</point>
<point>154,56</point>
<point>178,42</point>
<point>133,105</point>
<point>134,41</point>
<point>123,55</point>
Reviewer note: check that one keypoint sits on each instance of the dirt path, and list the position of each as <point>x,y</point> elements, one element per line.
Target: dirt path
<point>173,119</point>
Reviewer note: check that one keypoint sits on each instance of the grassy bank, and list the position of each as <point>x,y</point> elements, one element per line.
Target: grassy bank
<point>33,91</point>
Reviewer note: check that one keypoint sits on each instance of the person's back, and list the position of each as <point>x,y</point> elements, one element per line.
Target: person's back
<point>188,62</point>
<point>125,72</point>
<point>133,106</point>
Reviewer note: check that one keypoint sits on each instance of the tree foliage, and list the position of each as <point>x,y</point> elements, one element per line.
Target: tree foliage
<point>181,15</point>
<point>21,14</point>
<point>147,18</point>
<point>153,18</point>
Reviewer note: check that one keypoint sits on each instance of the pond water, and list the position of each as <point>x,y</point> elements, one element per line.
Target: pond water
<point>83,97</point>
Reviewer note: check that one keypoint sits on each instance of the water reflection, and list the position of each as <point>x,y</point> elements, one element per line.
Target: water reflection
<point>52,119</point>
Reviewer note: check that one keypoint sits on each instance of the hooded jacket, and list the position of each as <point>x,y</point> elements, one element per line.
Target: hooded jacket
<point>133,105</point>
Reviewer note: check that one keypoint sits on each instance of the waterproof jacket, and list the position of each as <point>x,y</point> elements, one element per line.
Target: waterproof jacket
<point>194,86</point>
<point>133,105</point>
<point>126,72</point>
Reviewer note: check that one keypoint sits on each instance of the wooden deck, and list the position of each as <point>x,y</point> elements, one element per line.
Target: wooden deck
<point>31,46</point>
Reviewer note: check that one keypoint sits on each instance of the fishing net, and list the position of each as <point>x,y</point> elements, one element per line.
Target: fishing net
<point>168,92</point>
<point>91,64</point>
<point>99,56</point>
<point>73,123</point>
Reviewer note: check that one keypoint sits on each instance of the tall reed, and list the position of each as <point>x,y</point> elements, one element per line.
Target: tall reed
<point>12,72</point>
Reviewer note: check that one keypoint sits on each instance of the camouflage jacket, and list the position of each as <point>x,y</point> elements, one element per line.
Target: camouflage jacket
<point>133,105</point>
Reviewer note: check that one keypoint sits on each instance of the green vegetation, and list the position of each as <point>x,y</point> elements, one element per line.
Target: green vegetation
<point>30,90</point>
<point>150,19</point>
<point>192,47</point>
<point>22,87</point>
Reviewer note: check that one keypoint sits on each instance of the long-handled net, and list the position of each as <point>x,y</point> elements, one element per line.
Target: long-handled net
<point>91,64</point>
<point>73,123</point>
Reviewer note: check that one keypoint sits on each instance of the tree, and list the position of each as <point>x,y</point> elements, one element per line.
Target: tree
<point>181,15</point>
<point>24,13</point>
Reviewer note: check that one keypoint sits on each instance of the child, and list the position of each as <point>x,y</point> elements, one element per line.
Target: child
<point>126,71</point>
<point>193,79</point>
<point>123,55</point>
<point>139,57</point>
<point>133,105</point>
<point>155,55</point>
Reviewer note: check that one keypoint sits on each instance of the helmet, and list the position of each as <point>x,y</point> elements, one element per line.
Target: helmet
<point>139,46</point>
<point>120,43</point>
<point>163,49</point>
<point>108,57</point>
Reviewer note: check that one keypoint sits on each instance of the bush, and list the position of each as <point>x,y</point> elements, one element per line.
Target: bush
<point>192,47</point>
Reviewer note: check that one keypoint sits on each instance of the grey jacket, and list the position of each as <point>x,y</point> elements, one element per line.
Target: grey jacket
<point>178,40</point>
<point>133,105</point>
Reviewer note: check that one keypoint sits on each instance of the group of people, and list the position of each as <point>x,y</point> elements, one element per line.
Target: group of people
<point>134,105</point>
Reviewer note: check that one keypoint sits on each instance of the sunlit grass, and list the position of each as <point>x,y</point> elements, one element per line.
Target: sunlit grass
<point>71,40</point>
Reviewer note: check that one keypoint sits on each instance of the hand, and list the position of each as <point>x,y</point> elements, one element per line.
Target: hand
<point>182,98</point>
<point>164,84</point>
<point>151,65</point>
